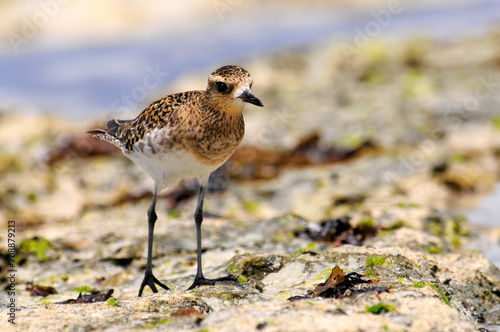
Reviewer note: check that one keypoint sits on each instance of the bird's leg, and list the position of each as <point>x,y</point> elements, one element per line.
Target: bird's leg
<point>149,278</point>
<point>199,279</point>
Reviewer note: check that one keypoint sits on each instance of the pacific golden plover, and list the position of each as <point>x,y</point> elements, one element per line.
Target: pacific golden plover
<point>181,136</point>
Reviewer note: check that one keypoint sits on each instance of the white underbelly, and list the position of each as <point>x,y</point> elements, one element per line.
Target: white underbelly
<point>168,169</point>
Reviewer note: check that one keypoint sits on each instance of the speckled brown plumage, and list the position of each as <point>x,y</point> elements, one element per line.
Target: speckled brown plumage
<point>185,135</point>
<point>173,111</point>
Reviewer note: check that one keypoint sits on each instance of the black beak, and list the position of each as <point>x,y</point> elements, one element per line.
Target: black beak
<point>248,97</point>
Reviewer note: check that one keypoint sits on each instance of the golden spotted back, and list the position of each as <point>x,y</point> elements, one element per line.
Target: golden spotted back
<point>165,112</point>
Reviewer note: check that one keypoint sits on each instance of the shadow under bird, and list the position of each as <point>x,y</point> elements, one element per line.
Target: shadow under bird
<point>181,136</point>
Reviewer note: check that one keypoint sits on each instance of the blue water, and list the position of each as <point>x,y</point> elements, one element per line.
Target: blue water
<point>486,215</point>
<point>87,81</point>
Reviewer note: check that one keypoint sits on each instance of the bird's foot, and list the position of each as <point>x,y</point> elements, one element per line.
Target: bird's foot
<point>151,281</point>
<point>202,281</point>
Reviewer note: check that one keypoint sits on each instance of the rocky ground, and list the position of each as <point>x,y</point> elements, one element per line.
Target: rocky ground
<point>359,159</point>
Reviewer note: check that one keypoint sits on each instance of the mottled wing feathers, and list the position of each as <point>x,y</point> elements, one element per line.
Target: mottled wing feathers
<point>160,113</point>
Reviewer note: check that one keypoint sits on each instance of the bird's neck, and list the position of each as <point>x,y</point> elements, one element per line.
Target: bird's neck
<point>226,106</point>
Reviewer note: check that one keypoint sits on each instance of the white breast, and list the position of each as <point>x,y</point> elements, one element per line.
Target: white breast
<point>167,166</point>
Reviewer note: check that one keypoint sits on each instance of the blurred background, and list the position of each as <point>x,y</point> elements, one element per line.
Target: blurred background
<point>386,111</point>
<point>76,58</point>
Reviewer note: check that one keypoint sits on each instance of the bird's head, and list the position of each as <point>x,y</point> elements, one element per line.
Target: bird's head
<point>229,89</point>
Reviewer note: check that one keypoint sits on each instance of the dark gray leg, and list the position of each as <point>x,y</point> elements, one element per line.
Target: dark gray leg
<point>149,278</point>
<point>199,279</point>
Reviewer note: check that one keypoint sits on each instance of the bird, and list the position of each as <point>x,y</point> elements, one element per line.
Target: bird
<point>182,136</point>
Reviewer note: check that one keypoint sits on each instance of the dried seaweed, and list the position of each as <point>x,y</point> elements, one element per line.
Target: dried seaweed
<point>337,231</point>
<point>89,298</point>
<point>252,163</point>
<point>338,284</point>
<point>78,146</point>
<point>37,290</point>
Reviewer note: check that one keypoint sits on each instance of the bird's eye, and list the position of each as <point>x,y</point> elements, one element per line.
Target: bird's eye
<point>221,86</point>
